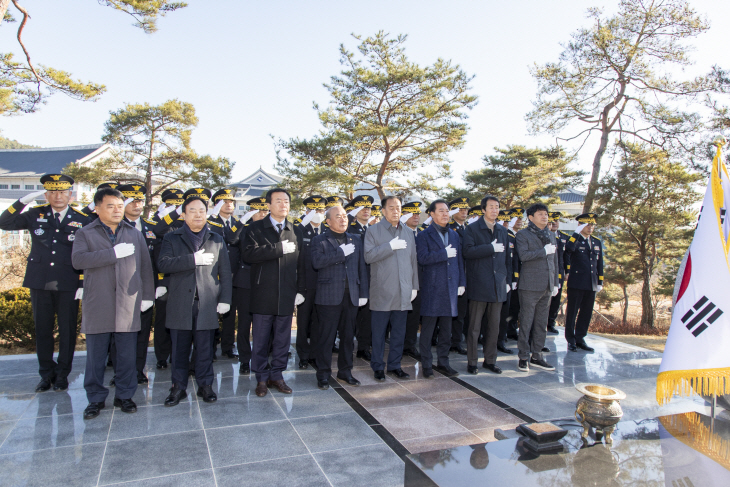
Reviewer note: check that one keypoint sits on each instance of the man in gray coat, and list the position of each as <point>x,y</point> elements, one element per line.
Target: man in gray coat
<point>390,249</point>
<point>119,284</point>
<point>536,246</point>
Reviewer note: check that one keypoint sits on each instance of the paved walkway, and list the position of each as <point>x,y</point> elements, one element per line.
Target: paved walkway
<point>343,436</point>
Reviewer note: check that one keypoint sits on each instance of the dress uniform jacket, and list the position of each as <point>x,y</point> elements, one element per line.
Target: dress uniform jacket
<point>586,262</point>
<point>242,276</point>
<point>514,257</point>
<point>564,261</point>
<point>309,271</point>
<point>335,270</point>
<point>49,263</point>
<point>356,228</point>
<point>231,235</point>
<point>152,240</point>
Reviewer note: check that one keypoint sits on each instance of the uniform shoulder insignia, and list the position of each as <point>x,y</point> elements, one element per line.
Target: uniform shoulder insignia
<point>235,219</point>
<point>216,224</point>
<point>564,233</point>
<point>352,223</point>
<point>151,222</point>
<point>596,238</point>
<point>78,211</point>
<point>42,206</point>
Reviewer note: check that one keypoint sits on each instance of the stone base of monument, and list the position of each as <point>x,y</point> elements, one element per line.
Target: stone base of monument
<point>542,437</point>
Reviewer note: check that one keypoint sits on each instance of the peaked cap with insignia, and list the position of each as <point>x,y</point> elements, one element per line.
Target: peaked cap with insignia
<point>56,182</point>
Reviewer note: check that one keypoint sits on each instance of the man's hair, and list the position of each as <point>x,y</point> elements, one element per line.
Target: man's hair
<point>328,212</point>
<point>191,199</point>
<point>271,192</point>
<point>384,201</point>
<point>537,207</point>
<point>434,203</point>
<point>487,199</point>
<point>99,195</point>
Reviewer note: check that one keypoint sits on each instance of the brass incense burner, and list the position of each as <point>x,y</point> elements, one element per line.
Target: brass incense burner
<point>599,408</point>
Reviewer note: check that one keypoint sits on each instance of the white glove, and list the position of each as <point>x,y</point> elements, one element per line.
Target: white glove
<point>509,288</point>
<point>29,198</point>
<point>461,290</point>
<point>550,249</point>
<point>370,220</point>
<point>248,216</point>
<point>166,211</point>
<point>203,259</point>
<point>453,212</point>
<point>472,220</point>
<point>581,227</point>
<point>79,293</point>
<point>498,247</point>
<point>298,300</point>
<point>428,221</point>
<point>160,291</point>
<point>128,201</point>
<point>92,205</point>
<point>599,288</point>
<point>288,247</point>
<point>123,250</point>
<point>514,286</point>
<point>217,208</point>
<point>347,248</point>
<point>162,206</point>
<point>555,291</point>
<point>405,218</point>
<point>414,293</point>
<point>362,302</point>
<point>223,308</point>
<point>398,243</point>
<point>146,305</point>
<point>450,251</point>
<point>356,211</point>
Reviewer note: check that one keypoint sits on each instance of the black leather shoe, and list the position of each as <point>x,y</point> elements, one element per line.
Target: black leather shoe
<point>323,384</point>
<point>522,366</point>
<point>460,350</point>
<point>126,405</point>
<point>379,375</point>
<point>303,364</point>
<point>472,369</point>
<point>349,379</point>
<point>428,373</point>
<point>93,410</point>
<point>412,353</point>
<point>113,381</point>
<point>364,354</point>
<point>540,364</point>
<point>399,373</point>
<point>162,364</point>
<point>545,349</point>
<point>572,347</point>
<point>584,346</point>
<point>493,367</point>
<point>141,378</point>
<point>176,395</point>
<point>206,392</point>
<point>446,371</point>
<point>335,349</point>
<point>244,369</point>
<point>61,384</point>
<point>229,354</point>
<point>504,349</point>
<point>552,330</point>
<point>44,385</point>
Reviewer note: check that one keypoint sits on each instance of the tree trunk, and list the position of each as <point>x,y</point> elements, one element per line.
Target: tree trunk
<point>647,306</point>
<point>626,304</point>
<point>593,185</point>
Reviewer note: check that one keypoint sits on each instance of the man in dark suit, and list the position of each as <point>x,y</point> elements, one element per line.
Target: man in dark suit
<point>411,215</point>
<point>358,226</point>
<point>307,320</point>
<point>585,279</point>
<point>55,286</point>
<point>342,286</point>
<point>272,246</point>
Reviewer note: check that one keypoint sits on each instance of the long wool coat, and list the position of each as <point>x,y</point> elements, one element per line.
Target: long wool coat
<point>441,276</point>
<point>113,288</point>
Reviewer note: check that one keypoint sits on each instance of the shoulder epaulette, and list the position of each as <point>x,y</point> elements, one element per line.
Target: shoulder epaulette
<point>234,218</point>
<point>41,206</point>
<point>216,224</point>
<point>78,211</point>
<point>151,222</point>
<point>353,222</point>
<point>511,235</point>
<point>564,233</point>
<point>596,238</point>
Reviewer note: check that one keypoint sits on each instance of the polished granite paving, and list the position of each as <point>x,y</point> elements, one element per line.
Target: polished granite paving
<point>343,436</point>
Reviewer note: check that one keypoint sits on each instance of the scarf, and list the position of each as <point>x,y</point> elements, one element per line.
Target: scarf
<point>543,235</point>
<point>196,239</point>
<point>444,230</point>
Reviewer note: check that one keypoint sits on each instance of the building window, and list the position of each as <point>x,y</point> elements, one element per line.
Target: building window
<point>14,186</point>
<point>3,186</point>
<point>39,186</point>
<point>241,207</point>
<point>29,186</point>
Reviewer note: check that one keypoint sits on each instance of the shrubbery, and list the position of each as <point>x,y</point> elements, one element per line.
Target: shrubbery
<point>16,318</point>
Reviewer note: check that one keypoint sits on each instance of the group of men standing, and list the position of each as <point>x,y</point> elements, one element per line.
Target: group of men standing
<point>195,268</point>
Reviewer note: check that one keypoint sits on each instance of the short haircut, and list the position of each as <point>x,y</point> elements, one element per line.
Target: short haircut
<point>191,199</point>
<point>487,199</point>
<point>328,211</point>
<point>99,195</point>
<point>384,201</point>
<point>537,207</point>
<point>271,192</point>
<point>435,203</point>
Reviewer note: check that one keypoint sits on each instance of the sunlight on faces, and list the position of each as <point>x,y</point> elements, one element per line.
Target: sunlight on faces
<point>491,211</point>
<point>337,219</point>
<point>134,209</point>
<point>195,215</point>
<point>391,211</point>
<point>412,222</point>
<point>279,206</point>
<point>540,219</point>
<point>260,215</point>
<point>110,211</point>
<point>227,209</point>
<point>440,215</point>
<point>364,215</point>
<point>461,215</point>
<point>59,199</point>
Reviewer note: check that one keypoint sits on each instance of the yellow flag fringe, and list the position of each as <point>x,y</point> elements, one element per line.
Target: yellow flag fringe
<point>693,432</point>
<point>703,381</point>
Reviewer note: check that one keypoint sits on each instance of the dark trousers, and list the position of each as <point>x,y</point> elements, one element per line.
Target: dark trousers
<point>228,327</point>
<point>242,302</point>
<point>554,308</point>
<point>476,312</point>
<point>580,306</point>
<point>459,326</point>
<point>263,325</point>
<point>307,325</point>
<point>380,320</point>
<point>97,347</point>
<point>413,321</point>
<point>182,341</point>
<point>364,328</point>
<point>335,319</point>
<point>504,319</point>
<point>514,313</point>
<point>47,305</point>
<point>162,341</point>
<point>143,338</point>
<point>428,324</point>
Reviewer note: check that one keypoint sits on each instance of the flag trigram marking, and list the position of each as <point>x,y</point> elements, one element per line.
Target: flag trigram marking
<point>698,315</point>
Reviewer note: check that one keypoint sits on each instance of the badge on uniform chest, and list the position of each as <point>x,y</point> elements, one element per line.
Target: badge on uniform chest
<point>71,237</point>
<point>75,224</point>
<point>150,234</point>
<point>39,231</point>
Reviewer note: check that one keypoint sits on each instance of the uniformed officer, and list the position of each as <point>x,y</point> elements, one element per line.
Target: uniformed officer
<point>260,205</point>
<point>361,208</point>
<point>375,214</point>
<point>307,319</point>
<point>411,212</point>
<point>224,223</point>
<point>55,286</point>
<point>504,316</point>
<point>585,279</point>
<point>514,225</point>
<point>459,209</point>
<point>358,226</point>
<point>562,238</point>
<point>475,213</point>
<point>348,208</point>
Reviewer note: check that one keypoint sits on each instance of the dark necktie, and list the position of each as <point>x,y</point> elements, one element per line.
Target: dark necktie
<point>279,228</point>
<point>58,220</point>
<point>228,225</point>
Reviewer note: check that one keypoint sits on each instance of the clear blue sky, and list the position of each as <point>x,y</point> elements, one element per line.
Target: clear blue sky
<point>252,69</point>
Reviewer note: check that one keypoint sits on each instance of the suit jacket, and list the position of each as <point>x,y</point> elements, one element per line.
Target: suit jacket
<point>487,272</point>
<point>334,269</point>
<point>441,275</point>
<point>539,271</point>
<point>274,278</point>
<point>115,288</point>
<point>213,282</point>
